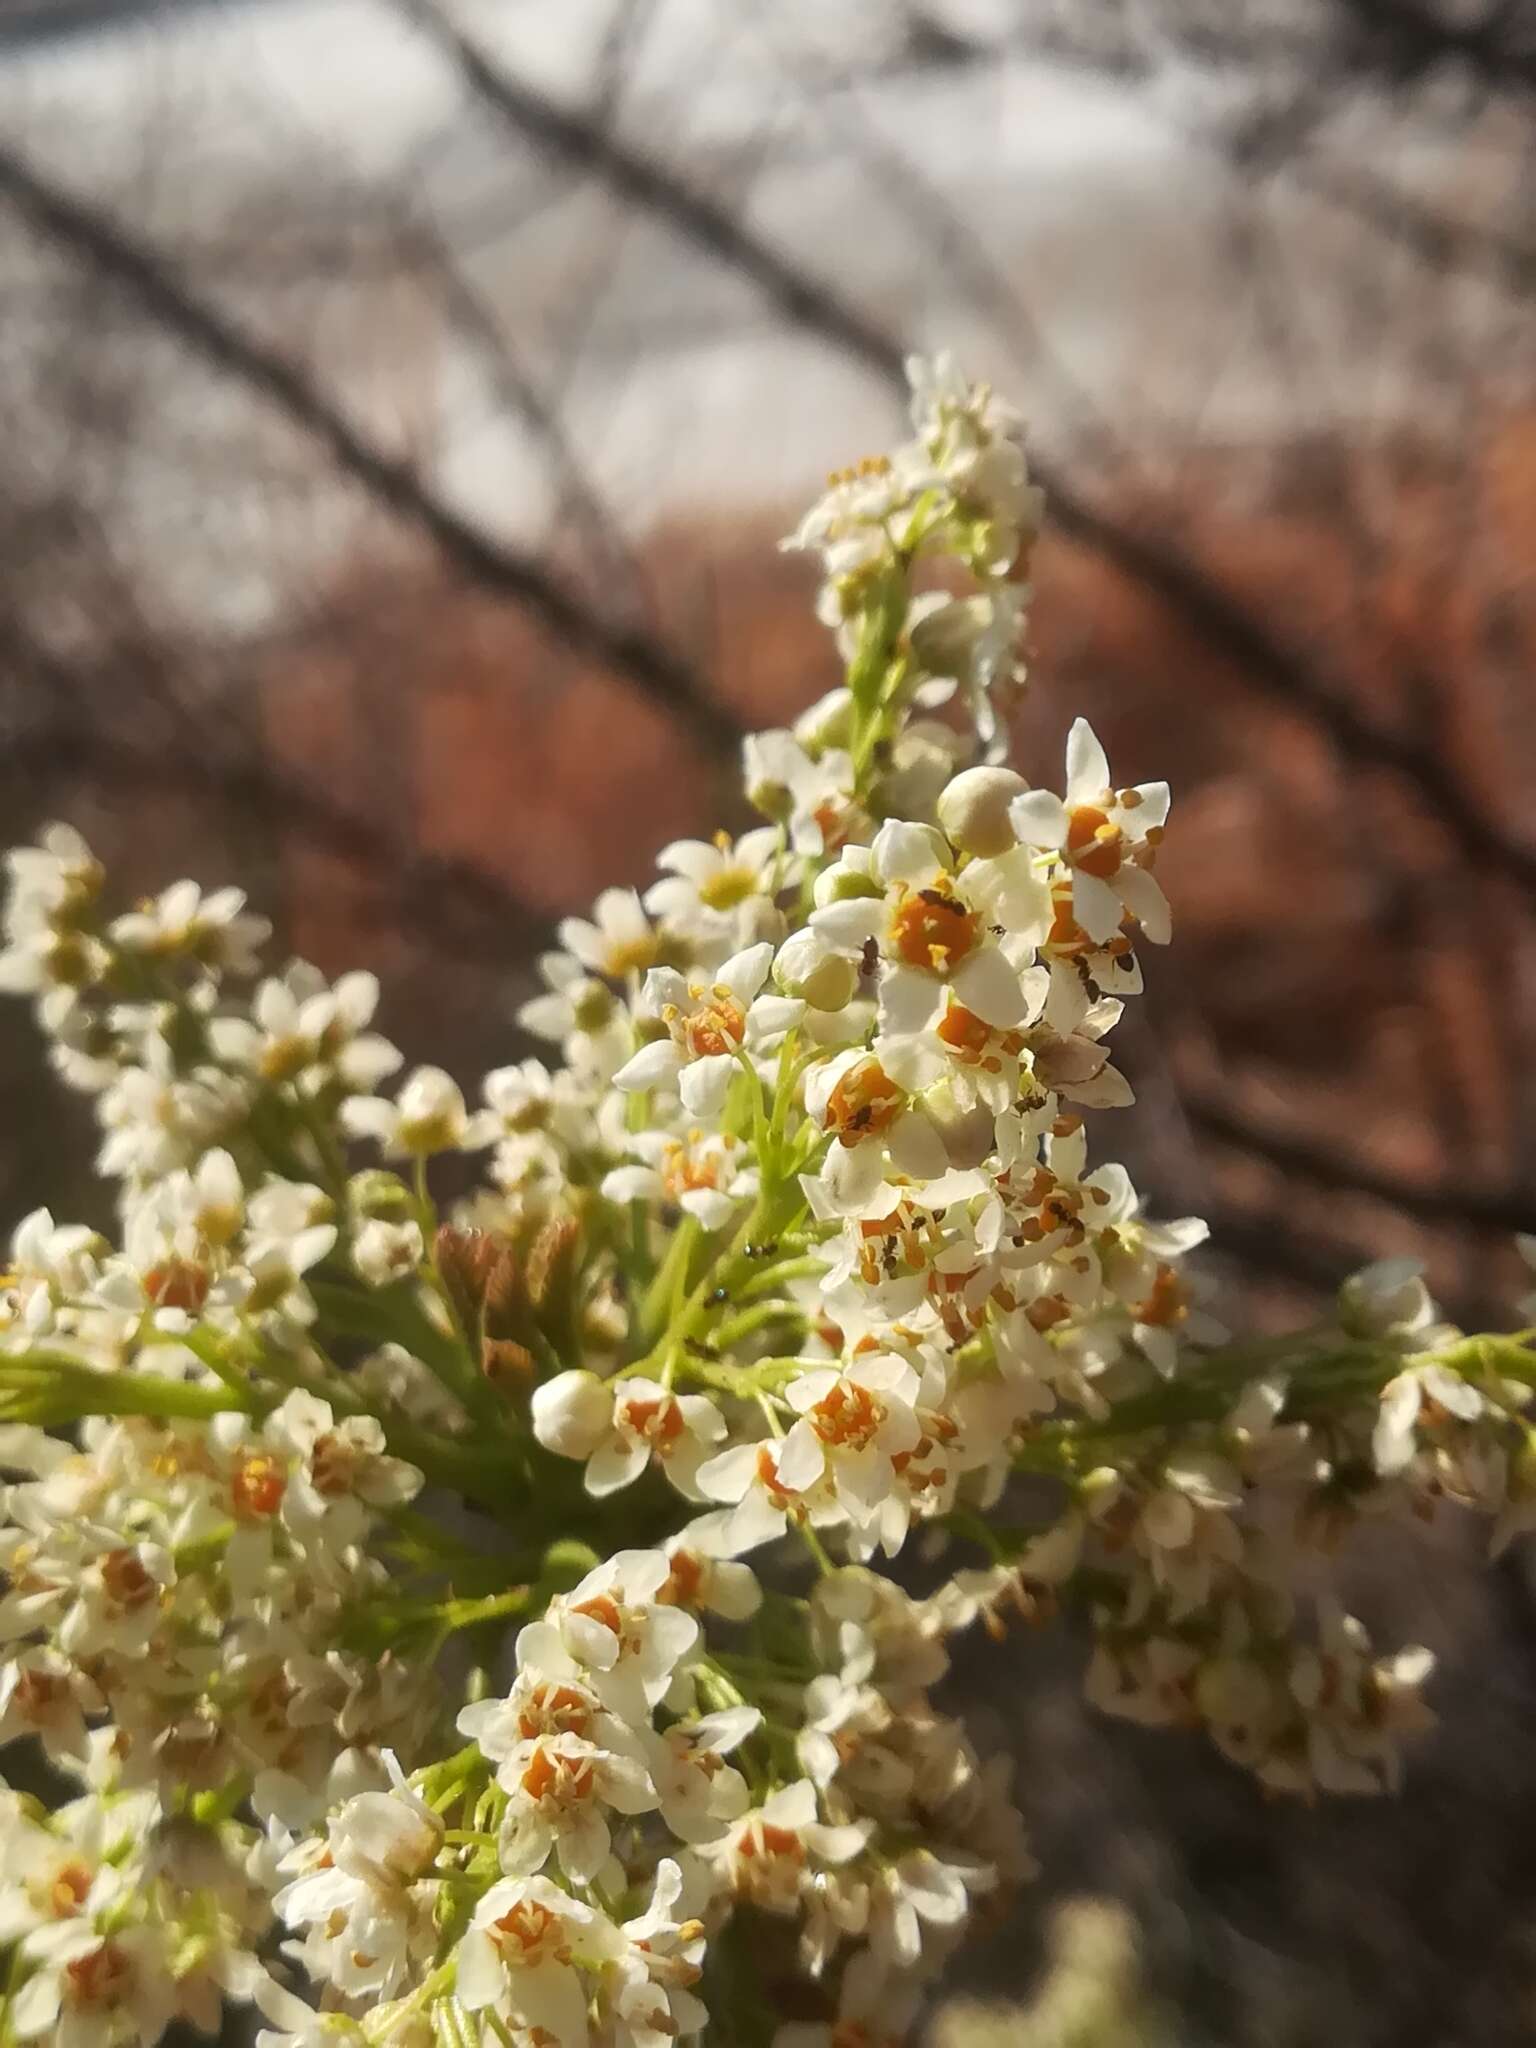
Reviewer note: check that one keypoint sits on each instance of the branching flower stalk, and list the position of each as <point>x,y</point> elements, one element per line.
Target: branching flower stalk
<point>476,1630</point>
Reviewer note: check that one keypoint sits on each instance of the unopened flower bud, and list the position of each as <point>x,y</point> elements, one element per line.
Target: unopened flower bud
<point>377,1192</point>
<point>973,810</point>
<point>842,883</point>
<point>571,1413</point>
<point>828,723</point>
<point>808,969</point>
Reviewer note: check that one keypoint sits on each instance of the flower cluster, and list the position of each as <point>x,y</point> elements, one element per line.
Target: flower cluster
<point>472,1628</point>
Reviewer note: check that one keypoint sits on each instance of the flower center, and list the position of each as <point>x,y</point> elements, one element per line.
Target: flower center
<point>125,1579</point>
<point>933,930</point>
<point>658,1422</point>
<point>604,1610</point>
<point>100,1978</point>
<point>684,1173</point>
<point>332,1465</point>
<point>532,1931</point>
<point>723,891</point>
<point>561,1780</point>
<point>554,1710</point>
<point>1167,1303</point>
<point>63,1893</point>
<point>177,1283</point>
<point>849,1417</point>
<point>258,1486</point>
<point>37,1694</point>
<point>1093,843</point>
<point>717,1024</point>
<point>631,956</point>
<point>687,1576</point>
<point>865,1101</point>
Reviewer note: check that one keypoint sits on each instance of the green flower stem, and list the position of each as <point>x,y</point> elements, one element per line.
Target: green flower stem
<point>52,1389</point>
<point>751,1320</point>
<point>776,1276</point>
<point>659,1303</point>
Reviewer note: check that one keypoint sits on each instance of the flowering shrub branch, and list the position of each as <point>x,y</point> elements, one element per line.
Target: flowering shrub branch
<point>377,1579</point>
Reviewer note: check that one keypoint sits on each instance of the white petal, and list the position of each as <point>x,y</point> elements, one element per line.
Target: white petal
<point>987,985</point>
<point>1039,818</point>
<point>705,1084</point>
<point>801,1458</point>
<point>744,973</point>
<point>1095,906</point>
<point>909,1000</point>
<point>907,853</point>
<point>1087,765</point>
<point>1144,899</point>
<point>916,1147</point>
<point>653,1066</point>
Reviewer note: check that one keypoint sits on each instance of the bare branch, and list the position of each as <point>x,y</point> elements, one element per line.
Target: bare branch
<point>1469,1203</point>
<point>92,237</point>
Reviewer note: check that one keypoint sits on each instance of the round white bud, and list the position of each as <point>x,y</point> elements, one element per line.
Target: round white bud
<point>827,723</point>
<point>572,1413</point>
<point>973,810</point>
<point>808,969</point>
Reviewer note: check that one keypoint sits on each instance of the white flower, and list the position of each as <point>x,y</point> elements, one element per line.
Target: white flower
<point>708,1024</point>
<point>712,887</point>
<point>610,1631</point>
<point>89,1988</point>
<point>931,927</point>
<point>1105,836</point>
<point>155,1119</point>
<point>383,1252</point>
<point>541,1704</point>
<point>301,1031</point>
<point>809,788</point>
<point>649,1420</point>
<point>1389,1299</point>
<point>881,1134</point>
<point>214,930</point>
<point>1413,1400</point>
<point>428,1116</point>
<point>370,1913</point>
<point>341,1467</point>
<point>662,1961</point>
<point>772,1854</point>
<point>618,941</point>
<point>748,1478</point>
<point>705,1577</point>
<point>47,1695</point>
<point>52,1876</point>
<point>524,1955</point>
<point>558,1786</point>
<point>699,1794</point>
<point>854,1423</point>
<point>705,1173</point>
<point>581,1014</point>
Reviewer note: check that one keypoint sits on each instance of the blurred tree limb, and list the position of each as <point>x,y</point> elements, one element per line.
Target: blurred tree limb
<point>91,236</point>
